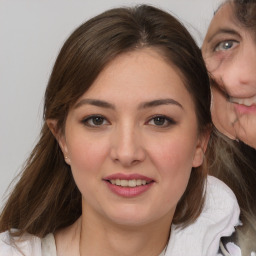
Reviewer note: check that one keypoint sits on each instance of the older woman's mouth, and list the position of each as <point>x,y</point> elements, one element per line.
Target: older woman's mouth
<point>248,102</point>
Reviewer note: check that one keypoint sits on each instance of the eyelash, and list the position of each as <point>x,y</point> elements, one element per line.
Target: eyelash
<point>164,121</point>
<point>86,121</point>
<point>167,121</point>
<point>222,43</point>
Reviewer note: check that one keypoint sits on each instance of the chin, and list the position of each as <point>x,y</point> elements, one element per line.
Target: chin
<point>131,217</point>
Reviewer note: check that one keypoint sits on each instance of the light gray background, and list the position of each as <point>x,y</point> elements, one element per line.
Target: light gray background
<point>31,34</point>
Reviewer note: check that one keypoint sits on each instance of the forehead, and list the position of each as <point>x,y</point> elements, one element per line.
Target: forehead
<point>226,22</point>
<point>138,68</point>
<point>139,75</point>
<point>223,17</point>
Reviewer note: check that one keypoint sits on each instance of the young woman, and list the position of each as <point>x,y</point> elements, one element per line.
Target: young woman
<point>229,50</point>
<point>118,169</point>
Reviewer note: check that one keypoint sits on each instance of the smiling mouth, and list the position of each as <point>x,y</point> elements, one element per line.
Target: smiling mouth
<point>129,183</point>
<point>248,102</point>
<point>128,186</point>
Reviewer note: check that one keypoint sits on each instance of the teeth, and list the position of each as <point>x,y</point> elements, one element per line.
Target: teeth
<point>128,183</point>
<point>124,183</point>
<point>138,182</point>
<point>246,101</point>
<point>248,104</point>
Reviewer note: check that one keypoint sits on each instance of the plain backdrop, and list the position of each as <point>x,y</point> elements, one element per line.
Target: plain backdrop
<point>31,34</point>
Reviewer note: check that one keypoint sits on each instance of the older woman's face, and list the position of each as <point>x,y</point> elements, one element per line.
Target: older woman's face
<point>229,50</point>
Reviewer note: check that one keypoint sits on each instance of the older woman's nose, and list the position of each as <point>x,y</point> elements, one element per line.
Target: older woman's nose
<point>238,74</point>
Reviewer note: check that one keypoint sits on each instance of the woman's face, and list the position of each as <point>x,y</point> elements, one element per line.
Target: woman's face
<point>229,50</point>
<point>132,139</point>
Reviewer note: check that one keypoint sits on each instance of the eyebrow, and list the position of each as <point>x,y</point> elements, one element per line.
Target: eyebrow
<point>223,31</point>
<point>160,102</point>
<point>148,104</point>
<point>94,102</point>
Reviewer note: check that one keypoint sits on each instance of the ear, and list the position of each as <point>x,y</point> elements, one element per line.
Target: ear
<point>201,147</point>
<point>60,137</point>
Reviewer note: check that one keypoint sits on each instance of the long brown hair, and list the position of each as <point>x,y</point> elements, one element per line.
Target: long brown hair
<point>46,197</point>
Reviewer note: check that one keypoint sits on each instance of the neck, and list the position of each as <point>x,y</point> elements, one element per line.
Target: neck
<point>106,238</point>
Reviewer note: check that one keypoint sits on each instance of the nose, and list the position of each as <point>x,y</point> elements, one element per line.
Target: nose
<point>238,72</point>
<point>127,146</point>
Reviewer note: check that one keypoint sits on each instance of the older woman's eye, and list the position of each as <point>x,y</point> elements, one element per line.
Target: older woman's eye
<point>95,121</point>
<point>225,45</point>
<point>161,121</point>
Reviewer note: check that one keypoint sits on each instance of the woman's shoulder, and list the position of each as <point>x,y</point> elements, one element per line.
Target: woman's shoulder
<point>219,217</point>
<point>221,200</point>
<point>27,245</point>
<point>17,246</point>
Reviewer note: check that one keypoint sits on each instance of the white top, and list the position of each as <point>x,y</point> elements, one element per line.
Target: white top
<point>219,217</point>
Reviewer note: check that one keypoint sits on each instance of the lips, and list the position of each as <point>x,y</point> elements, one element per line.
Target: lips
<point>244,105</point>
<point>128,185</point>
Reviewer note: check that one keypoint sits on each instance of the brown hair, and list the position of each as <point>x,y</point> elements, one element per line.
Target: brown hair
<point>46,197</point>
<point>245,12</point>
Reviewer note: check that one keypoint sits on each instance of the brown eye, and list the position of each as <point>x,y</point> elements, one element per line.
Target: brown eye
<point>94,121</point>
<point>97,120</point>
<point>161,121</point>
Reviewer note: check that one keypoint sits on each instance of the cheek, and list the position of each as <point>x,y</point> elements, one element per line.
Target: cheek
<point>86,155</point>
<point>219,105</point>
<point>86,164</point>
<point>173,157</point>
<point>212,64</point>
<point>223,113</point>
<point>215,62</point>
<point>175,164</point>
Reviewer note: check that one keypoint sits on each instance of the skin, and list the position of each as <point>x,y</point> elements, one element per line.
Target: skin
<point>159,141</point>
<point>229,50</point>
